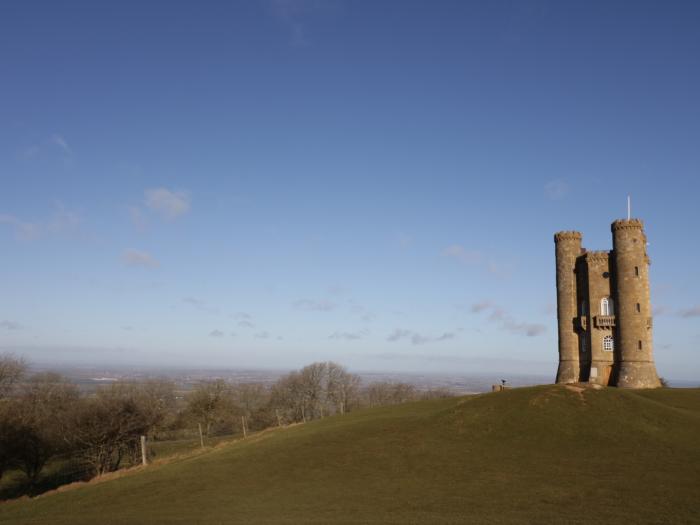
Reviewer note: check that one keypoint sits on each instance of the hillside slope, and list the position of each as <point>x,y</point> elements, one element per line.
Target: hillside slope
<point>545,454</point>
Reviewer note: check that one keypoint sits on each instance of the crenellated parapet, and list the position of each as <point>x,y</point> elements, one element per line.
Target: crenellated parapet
<point>597,256</point>
<point>567,236</point>
<point>627,224</point>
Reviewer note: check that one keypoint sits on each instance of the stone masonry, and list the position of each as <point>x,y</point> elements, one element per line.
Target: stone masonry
<point>604,310</point>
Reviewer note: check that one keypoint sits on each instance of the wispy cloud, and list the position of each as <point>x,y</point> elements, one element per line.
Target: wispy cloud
<point>506,322</point>
<point>476,258</point>
<point>310,305</point>
<point>349,336</point>
<point>137,217</point>
<point>60,142</point>
<point>403,240</point>
<point>462,255</point>
<point>244,319</point>
<point>168,204</point>
<point>690,312</point>
<point>416,338</point>
<point>199,304</point>
<point>138,258</point>
<point>556,189</point>
<point>262,335</point>
<point>54,142</point>
<point>23,230</point>
<point>659,310</point>
<point>9,325</point>
<point>61,221</point>
<point>216,333</point>
<point>296,14</point>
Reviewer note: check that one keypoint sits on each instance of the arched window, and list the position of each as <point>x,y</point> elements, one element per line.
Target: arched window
<point>606,306</point>
<point>608,343</point>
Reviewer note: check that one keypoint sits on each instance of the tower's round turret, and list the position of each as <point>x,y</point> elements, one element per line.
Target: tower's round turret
<point>633,306</point>
<point>567,249</point>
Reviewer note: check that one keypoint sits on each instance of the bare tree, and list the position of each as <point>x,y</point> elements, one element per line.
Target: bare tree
<point>317,390</point>
<point>106,427</point>
<point>12,370</point>
<point>385,393</point>
<point>342,387</point>
<point>211,403</point>
<point>42,409</point>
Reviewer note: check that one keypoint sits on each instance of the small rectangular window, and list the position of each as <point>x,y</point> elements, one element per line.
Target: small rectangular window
<point>639,345</point>
<point>639,308</point>
<point>636,271</point>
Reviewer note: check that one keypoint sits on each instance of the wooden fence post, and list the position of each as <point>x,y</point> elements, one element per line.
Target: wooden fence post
<point>143,450</point>
<point>279,419</point>
<point>245,434</point>
<point>201,437</point>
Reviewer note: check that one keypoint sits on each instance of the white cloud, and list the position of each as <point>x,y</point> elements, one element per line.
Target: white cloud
<point>556,189</point>
<point>137,258</point>
<point>169,204</point>
<point>216,333</point>
<point>314,306</point>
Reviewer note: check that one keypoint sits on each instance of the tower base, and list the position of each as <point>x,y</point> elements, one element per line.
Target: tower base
<point>568,372</point>
<point>638,374</point>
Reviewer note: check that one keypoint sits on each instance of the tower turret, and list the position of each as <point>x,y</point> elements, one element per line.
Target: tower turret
<point>633,306</point>
<point>567,249</point>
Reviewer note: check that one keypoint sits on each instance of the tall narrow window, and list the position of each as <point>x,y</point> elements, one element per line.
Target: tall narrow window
<point>636,271</point>
<point>639,308</point>
<point>583,307</point>
<point>639,345</point>
<point>608,343</point>
<point>606,306</point>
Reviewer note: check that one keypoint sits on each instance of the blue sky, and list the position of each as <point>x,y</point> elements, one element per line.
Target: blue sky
<point>268,183</point>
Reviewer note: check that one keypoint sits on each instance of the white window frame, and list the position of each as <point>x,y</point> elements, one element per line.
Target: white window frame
<point>607,306</point>
<point>608,343</point>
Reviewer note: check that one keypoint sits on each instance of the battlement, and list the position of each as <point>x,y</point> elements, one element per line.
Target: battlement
<point>567,236</point>
<point>627,224</point>
<point>597,256</point>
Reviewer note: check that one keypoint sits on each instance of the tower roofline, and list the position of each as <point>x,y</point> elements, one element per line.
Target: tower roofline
<point>627,224</point>
<point>567,236</point>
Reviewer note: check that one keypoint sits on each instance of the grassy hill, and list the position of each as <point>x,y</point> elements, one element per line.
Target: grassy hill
<point>545,454</point>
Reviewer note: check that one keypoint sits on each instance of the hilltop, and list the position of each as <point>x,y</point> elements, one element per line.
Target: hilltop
<point>547,454</point>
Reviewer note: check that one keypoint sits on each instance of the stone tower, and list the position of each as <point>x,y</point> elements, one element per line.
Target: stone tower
<point>568,248</point>
<point>604,310</point>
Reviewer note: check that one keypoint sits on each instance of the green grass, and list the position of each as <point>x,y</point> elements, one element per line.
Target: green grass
<point>533,455</point>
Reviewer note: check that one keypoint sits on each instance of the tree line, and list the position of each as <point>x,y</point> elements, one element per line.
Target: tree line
<point>43,416</point>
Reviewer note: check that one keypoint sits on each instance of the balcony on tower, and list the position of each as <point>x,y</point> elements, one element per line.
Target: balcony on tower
<point>604,321</point>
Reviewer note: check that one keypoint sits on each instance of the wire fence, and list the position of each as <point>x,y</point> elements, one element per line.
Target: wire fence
<point>87,463</point>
